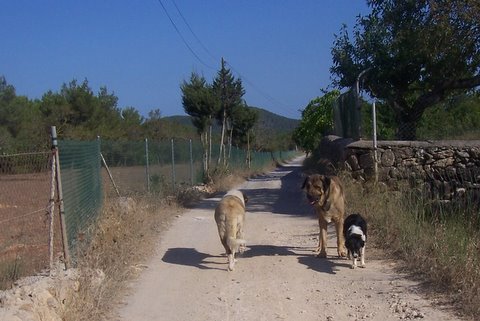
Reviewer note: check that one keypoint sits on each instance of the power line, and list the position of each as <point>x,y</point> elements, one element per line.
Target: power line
<point>264,94</point>
<point>261,92</point>
<point>181,36</point>
<point>193,33</point>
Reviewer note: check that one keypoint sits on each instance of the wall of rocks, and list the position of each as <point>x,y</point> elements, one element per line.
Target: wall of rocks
<point>444,169</point>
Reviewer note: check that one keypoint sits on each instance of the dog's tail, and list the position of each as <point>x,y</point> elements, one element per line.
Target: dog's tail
<point>234,243</point>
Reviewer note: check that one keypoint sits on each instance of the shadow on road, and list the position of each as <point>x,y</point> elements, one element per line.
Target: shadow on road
<point>267,250</point>
<point>328,265</point>
<point>189,257</point>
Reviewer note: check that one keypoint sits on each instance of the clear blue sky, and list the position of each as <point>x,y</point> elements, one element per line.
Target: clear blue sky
<point>279,48</point>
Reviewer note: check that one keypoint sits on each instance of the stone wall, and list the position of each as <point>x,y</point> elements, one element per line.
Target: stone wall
<point>445,169</point>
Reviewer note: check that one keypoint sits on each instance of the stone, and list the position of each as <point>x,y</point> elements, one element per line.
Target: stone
<point>388,158</point>
<point>366,161</point>
<point>443,162</point>
<point>462,154</point>
<point>353,162</point>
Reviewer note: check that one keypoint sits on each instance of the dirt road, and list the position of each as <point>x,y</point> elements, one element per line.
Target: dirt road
<point>278,278</point>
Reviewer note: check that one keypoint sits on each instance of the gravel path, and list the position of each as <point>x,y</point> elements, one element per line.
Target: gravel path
<point>278,278</point>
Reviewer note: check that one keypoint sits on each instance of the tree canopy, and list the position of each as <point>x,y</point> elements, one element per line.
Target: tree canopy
<point>414,54</point>
<point>221,101</point>
<point>317,121</point>
<point>78,113</point>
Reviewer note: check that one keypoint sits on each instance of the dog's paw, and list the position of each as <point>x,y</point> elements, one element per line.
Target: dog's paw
<point>342,253</point>
<point>363,266</point>
<point>353,266</point>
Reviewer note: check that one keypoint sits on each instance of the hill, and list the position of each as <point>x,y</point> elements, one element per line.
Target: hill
<point>266,120</point>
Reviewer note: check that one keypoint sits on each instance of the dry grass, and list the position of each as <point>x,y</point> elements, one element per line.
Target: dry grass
<point>438,246</point>
<point>121,241</point>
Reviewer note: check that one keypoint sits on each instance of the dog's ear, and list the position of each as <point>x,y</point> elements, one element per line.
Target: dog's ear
<point>245,198</point>
<point>305,182</point>
<point>326,180</point>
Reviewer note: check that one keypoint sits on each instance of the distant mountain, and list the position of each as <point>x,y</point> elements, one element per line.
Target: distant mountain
<point>266,120</point>
<point>269,120</point>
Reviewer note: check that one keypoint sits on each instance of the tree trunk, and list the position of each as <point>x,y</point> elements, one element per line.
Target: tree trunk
<point>210,147</point>
<point>248,160</point>
<point>203,139</point>
<point>222,147</point>
<point>230,143</point>
<point>407,124</point>
<point>407,120</point>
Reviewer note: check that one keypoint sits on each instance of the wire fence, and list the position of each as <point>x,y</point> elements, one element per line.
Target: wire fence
<point>46,207</point>
<point>81,182</point>
<point>25,183</point>
<point>346,115</point>
<point>162,167</point>
<point>455,119</point>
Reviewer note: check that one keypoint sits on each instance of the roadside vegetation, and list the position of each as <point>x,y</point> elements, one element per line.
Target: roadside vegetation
<point>436,243</point>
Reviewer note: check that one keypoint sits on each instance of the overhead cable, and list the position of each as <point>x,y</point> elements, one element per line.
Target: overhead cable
<point>181,36</point>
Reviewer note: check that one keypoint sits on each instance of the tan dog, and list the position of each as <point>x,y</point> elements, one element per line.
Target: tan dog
<point>325,193</point>
<point>230,217</point>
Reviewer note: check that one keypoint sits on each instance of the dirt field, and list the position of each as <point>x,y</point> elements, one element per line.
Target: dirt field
<point>24,222</point>
<point>278,278</point>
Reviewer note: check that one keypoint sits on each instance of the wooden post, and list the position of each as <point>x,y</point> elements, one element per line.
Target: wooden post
<point>191,161</point>
<point>110,175</point>
<point>173,166</point>
<point>51,211</point>
<point>147,166</point>
<point>66,251</point>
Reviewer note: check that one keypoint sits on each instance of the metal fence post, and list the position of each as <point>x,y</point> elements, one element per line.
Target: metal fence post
<point>375,161</point>
<point>191,162</point>
<point>66,251</point>
<point>173,165</point>
<point>147,168</point>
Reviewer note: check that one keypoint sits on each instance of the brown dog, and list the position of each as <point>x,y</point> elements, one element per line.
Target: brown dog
<point>325,193</point>
<point>230,218</point>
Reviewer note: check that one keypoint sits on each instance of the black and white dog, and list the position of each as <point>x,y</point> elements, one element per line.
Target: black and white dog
<point>355,232</point>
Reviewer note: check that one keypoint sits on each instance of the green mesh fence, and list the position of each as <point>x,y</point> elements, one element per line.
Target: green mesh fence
<point>80,165</point>
<point>346,114</point>
<point>259,160</point>
<point>153,166</point>
<point>164,166</point>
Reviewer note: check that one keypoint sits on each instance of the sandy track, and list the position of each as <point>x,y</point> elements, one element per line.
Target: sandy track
<point>278,278</point>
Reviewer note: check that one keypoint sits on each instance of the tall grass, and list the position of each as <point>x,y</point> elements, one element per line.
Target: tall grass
<point>437,242</point>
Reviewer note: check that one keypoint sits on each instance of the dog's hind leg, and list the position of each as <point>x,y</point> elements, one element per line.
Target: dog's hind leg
<point>231,261</point>
<point>241,239</point>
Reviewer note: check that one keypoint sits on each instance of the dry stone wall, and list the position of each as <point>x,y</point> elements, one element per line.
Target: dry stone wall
<point>444,169</point>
